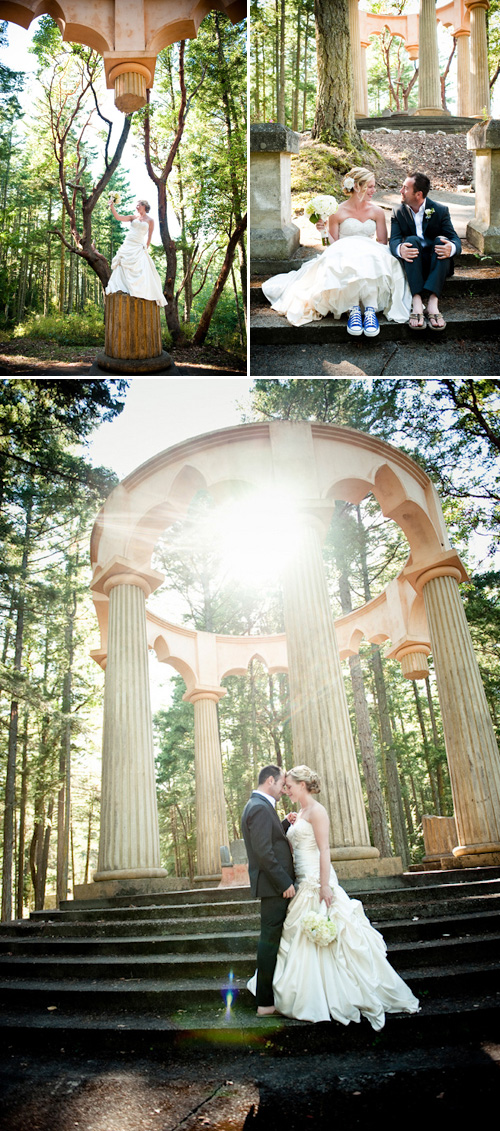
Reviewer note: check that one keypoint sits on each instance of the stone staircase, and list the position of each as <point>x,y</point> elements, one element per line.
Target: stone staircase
<point>470,304</point>
<point>177,963</point>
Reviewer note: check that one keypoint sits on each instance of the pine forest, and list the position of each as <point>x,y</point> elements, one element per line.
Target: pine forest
<point>61,156</point>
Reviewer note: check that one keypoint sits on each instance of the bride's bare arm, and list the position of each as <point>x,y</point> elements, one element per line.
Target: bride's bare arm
<point>116,215</point>
<point>320,824</point>
<point>151,224</point>
<point>381,225</point>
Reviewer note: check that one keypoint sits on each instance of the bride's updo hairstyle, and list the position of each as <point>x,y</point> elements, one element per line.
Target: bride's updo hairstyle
<point>356,178</point>
<point>146,205</point>
<point>308,776</point>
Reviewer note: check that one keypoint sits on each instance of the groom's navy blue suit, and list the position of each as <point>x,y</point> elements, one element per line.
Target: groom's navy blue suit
<point>426,271</point>
<point>270,866</point>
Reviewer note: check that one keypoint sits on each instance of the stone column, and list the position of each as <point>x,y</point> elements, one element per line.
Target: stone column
<point>211,822</point>
<point>484,230</point>
<point>463,73</point>
<point>273,237</point>
<point>129,846</point>
<point>365,78</point>
<point>471,747</point>
<point>429,87</point>
<point>413,659</point>
<point>480,87</point>
<point>133,336</point>
<point>357,63</point>
<point>322,736</point>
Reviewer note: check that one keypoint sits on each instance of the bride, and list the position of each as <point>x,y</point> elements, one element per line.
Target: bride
<point>355,270</point>
<point>351,976</point>
<point>133,270</point>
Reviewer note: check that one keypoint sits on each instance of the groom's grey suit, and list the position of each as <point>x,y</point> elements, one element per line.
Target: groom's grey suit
<point>270,866</point>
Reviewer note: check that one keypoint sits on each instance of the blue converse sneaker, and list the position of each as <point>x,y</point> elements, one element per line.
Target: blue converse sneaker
<point>370,323</point>
<point>355,322</point>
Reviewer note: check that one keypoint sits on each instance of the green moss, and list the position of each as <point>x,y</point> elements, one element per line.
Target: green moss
<point>320,168</point>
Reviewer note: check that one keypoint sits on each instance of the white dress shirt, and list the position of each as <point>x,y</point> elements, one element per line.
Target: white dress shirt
<point>267,796</point>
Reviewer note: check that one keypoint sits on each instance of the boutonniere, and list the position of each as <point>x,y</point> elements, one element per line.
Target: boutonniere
<point>429,212</point>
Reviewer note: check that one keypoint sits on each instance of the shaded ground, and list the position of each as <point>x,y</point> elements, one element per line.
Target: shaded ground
<point>406,359</point>
<point>444,157</point>
<point>35,355</point>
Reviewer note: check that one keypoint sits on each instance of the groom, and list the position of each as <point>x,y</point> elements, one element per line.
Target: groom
<point>423,238</point>
<point>270,866</point>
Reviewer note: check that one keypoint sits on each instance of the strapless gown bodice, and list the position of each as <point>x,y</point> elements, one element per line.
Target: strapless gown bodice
<point>133,270</point>
<point>349,978</point>
<point>354,227</point>
<point>353,270</point>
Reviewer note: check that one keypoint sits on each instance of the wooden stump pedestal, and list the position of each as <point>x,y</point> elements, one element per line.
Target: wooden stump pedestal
<point>133,336</point>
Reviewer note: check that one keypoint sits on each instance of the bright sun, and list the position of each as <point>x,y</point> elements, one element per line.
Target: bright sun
<point>257,536</point>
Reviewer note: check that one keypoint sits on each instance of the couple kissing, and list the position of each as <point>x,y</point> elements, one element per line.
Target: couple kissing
<point>318,956</point>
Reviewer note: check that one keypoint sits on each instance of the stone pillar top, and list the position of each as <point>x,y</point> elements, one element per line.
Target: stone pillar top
<point>119,571</point>
<point>484,135</point>
<point>270,137</point>
<point>446,565</point>
<point>197,693</point>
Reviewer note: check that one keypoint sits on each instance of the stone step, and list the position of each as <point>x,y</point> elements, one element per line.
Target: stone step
<point>156,911</point>
<point>460,983</point>
<point>471,278</point>
<point>163,959</point>
<point>208,934</point>
<point>466,319</point>
<point>415,122</point>
<point>191,896</point>
<point>25,930</point>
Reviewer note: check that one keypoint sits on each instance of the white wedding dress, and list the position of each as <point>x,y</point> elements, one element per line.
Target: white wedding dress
<point>349,978</point>
<point>133,269</point>
<point>353,270</point>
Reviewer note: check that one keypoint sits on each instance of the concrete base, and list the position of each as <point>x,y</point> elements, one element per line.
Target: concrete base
<point>161,364</point>
<point>235,876</point>
<point>485,238</point>
<point>107,889</point>
<point>275,243</point>
<point>208,881</point>
<point>478,860</point>
<point>367,869</point>
<point>264,268</point>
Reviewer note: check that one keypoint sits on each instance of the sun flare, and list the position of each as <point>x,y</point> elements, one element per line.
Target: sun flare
<point>257,536</point>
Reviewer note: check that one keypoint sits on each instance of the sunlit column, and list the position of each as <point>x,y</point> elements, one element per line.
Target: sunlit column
<point>357,65</point>
<point>480,85</point>
<point>471,746</point>
<point>129,845</point>
<point>322,736</point>
<point>463,73</point>
<point>429,86</point>
<point>211,821</point>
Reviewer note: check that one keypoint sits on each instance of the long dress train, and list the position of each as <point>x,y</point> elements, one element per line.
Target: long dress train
<point>133,270</point>
<point>349,978</point>
<point>353,270</point>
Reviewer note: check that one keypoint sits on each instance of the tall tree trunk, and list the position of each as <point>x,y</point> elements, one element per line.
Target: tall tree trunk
<point>281,88</point>
<point>427,753</point>
<point>334,120</point>
<point>206,317</point>
<point>22,821</point>
<point>64,795</point>
<point>10,782</point>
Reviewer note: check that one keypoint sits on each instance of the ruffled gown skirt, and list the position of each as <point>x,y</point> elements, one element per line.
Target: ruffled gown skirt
<point>133,270</point>
<point>351,271</point>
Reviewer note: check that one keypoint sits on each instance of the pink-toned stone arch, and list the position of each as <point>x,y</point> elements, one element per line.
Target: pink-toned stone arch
<point>314,464</point>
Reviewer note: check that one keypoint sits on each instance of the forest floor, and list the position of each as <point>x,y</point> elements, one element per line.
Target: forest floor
<point>37,355</point>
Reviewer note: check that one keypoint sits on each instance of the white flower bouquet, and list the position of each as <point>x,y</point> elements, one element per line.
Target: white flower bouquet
<point>321,208</point>
<point>114,198</point>
<point>318,928</point>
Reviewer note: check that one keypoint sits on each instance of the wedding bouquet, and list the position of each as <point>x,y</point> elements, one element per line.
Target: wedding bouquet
<point>321,208</point>
<point>114,198</point>
<point>320,929</point>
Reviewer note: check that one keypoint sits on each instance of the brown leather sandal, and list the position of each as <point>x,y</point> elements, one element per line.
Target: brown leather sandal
<point>436,320</point>
<point>416,320</point>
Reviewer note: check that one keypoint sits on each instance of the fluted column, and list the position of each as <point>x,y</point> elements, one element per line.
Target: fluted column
<point>129,844</point>
<point>357,65</point>
<point>480,85</point>
<point>322,736</point>
<point>429,86</point>
<point>413,659</point>
<point>211,821</point>
<point>471,747</point>
<point>463,74</point>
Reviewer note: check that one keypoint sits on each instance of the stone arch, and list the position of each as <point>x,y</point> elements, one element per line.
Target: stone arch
<point>180,665</point>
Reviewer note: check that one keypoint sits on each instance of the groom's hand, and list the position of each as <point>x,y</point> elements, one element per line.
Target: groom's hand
<point>408,251</point>
<point>444,249</point>
<point>289,893</point>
